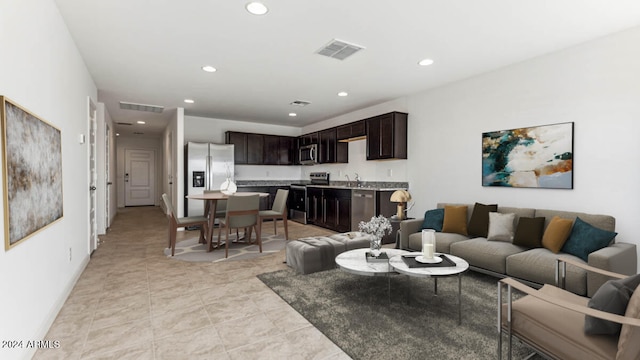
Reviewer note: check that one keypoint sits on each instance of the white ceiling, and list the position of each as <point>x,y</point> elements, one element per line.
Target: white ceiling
<point>152,51</point>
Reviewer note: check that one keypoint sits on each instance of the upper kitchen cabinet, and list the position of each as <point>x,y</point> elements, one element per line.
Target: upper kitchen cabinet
<point>239,140</point>
<point>271,149</point>
<point>330,150</point>
<point>286,150</point>
<point>261,149</point>
<point>255,149</point>
<point>387,136</point>
<point>352,131</point>
<point>308,139</point>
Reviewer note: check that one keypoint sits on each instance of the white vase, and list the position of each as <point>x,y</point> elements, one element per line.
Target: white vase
<point>228,187</point>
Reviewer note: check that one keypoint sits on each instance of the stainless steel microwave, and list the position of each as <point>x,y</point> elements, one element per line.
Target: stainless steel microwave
<point>309,154</point>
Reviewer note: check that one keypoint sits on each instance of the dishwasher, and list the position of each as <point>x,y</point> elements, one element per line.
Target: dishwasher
<point>363,206</point>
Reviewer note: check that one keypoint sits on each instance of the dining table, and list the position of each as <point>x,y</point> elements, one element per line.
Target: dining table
<point>211,203</point>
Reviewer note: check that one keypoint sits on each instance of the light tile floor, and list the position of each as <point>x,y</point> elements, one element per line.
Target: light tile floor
<point>132,302</point>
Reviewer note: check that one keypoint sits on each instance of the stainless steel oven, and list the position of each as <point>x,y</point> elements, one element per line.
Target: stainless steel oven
<point>298,196</point>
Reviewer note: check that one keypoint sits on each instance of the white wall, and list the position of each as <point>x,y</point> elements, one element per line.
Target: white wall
<point>595,85</point>
<point>41,69</point>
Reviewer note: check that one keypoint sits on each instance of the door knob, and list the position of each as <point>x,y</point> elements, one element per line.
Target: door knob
<point>92,188</point>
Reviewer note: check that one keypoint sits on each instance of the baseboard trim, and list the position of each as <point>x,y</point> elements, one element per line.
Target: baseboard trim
<point>55,310</point>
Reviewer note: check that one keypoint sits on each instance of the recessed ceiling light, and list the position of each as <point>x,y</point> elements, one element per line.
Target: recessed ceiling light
<point>256,8</point>
<point>189,101</point>
<point>343,93</point>
<point>425,62</point>
<point>140,122</point>
<point>117,134</point>
<point>209,68</point>
<point>293,114</point>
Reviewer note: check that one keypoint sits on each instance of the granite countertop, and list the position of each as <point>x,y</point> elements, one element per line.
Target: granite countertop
<point>366,185</point>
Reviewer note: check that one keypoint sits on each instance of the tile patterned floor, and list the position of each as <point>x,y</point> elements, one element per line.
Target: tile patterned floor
<point>132,302</point>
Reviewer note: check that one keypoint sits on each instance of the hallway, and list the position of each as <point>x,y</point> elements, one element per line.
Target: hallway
<point>132,302</point>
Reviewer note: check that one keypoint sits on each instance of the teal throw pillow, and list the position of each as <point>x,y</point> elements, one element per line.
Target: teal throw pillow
<point>433,219</point>
<point>585,239</point>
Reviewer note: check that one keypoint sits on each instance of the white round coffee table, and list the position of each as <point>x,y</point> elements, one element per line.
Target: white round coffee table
<point>355,262</point>
<point>461,265</point>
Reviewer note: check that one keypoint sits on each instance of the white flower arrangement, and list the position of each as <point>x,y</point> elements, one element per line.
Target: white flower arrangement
<point>377,226</point>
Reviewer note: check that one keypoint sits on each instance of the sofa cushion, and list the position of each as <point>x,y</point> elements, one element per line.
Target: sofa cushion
<point>489,255</point>
<point>628,344</point>
<point>479,222</point>
<point>501,227</point>
<point>613,297</point>
<point>557,330</point>
<point>433,219</point>
<point>585,239</point>
<point>539,266</point>
<point>529,232</point>
<point>443,241</point>
<point>455,219</point>
<point>556,233</point>
<point>605,222</point>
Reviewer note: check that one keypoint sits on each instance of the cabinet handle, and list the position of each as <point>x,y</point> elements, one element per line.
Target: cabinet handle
<point>324,210</point>
<point>337,210</point>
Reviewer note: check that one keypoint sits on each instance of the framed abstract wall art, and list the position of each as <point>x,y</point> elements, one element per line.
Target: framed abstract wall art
<point>531,157</point>
<point>32,169</point>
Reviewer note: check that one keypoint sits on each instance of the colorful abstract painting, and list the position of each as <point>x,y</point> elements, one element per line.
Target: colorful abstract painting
<point>532,157</point>
<point>32,164</point>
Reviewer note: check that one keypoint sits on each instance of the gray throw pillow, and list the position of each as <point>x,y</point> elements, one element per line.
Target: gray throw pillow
<point>613,297</point>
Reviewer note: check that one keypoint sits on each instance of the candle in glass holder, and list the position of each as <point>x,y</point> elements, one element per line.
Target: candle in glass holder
<point>428,243</point>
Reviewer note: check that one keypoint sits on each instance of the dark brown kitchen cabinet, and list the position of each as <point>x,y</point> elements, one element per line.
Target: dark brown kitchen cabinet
<point>387,136</point>
<point>352,131</point>
<point>239,140</point>
<point>330,150</point>
<point>261,149</point>
<point>271,150</point>
<point>315,215</point>
<point>286,150</point>
<point>255,149</point>
<point>329,208</point>
<point>308,139</point>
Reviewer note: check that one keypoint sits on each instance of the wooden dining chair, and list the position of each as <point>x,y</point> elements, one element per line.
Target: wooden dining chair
<point>176,222</point>
<point>242,212</point>
<point>278,211</point>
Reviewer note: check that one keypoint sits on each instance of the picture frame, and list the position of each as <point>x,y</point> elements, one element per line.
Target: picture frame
<point>32,173</point>
<point>530,157</point>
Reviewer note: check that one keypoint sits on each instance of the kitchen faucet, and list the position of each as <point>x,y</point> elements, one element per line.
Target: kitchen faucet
<point>358,184</point>
<point>348,180</point>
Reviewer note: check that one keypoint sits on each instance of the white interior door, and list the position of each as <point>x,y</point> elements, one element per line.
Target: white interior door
<point>139,179</point>
<point>93,177</point>
<point>107,172</point>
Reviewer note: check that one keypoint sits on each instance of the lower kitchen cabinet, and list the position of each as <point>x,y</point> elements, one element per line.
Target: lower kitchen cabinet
<point>329,208</point>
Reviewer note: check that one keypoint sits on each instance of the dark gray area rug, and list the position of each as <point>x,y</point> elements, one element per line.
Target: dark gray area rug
<point>355,313</point>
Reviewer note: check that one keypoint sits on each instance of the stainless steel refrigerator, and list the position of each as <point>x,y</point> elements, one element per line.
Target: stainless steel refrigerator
<point>207,166</point>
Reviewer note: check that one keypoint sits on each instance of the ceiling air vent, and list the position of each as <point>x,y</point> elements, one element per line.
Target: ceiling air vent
<point>141,107</point>
<point>124,123</point>
<point>339,49</point>
<point>138,133</point>
<point>300,103</point>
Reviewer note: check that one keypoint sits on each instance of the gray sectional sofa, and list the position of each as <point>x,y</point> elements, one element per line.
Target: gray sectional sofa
<point>533,266</point>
